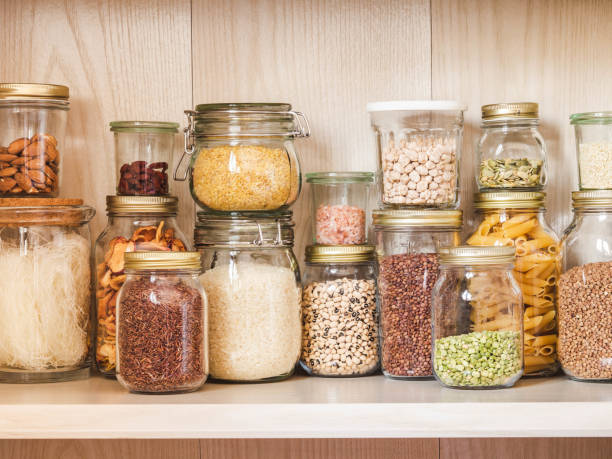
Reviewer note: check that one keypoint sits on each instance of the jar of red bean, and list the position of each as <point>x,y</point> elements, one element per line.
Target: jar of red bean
<point>340,206</point>
<point>143,151</point>
<point>407,242</point>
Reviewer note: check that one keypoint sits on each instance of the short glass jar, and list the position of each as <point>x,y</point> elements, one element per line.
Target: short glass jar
<point>419,147</point>
<point>242,156</point>
<point>135,223</point>
<point>585,291</point>
<point>593,149</point>
<point>339,311</point>
<point>32,129</point>
<point>517,219</point>
<point>252,280</point>
<point>477,315</point>
<point>340,206</point>
<point>511,150</point>
<point>407,242</point>
<point>45,279</point>
<point>143,151</point>
<point>162,342</point>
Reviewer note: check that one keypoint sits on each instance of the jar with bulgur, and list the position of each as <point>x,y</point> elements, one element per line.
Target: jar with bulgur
<point>242,157</point>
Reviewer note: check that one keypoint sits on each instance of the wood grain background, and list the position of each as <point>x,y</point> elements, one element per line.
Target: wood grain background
<point>152,59</point>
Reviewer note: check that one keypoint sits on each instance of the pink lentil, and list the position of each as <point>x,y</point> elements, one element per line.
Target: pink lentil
<point>340,225</point>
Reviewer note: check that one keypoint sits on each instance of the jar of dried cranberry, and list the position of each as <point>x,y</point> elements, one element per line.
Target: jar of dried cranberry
<point>143,151</point>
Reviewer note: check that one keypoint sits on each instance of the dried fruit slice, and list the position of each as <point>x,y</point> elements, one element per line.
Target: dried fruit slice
<point>116,261</point>
<point>117,281</point>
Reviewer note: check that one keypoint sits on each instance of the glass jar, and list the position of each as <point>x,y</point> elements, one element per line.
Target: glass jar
<point>585,291</point>
<point>162,342</point>
<point>339,311</point>
<point>407,242</point>
<point>477,316</point>
<point>517,219</point>
<point>143,150</point>
<point>511,151</point>
<point>242,156</point>
<point>593,149</point>
<point>419,147</point>
<point>32,127</point>
<point>135,223</point>
<point>45,278</point>
<point>340,206</point>
<point>252,280</point>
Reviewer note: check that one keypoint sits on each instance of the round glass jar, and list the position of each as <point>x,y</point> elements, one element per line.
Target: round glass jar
<point>340,206</point>
<point>517,219</point>
<point>477,316</point>
<point>511,150</point>
<point>162,342</point>
<point>143,151</point>
<point>252,280</point>
<point>135,223</point>
<point>32,129</point>
<point>339,311</point>
<point>242,156</point>
<point>45,277</point>
<point>585,291</point>
<point>407,242</point>
<point>593,149</point>
<point>419,148</point>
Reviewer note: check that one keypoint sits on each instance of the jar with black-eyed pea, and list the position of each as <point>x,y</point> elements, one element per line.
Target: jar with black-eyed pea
<point>339,311</point>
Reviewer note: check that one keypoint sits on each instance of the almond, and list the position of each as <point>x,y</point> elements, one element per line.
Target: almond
<point>37,163</point>
<point>17,145</point>
<point>34,149</point>
<point>8,171</point>
<point>8,158</point>
<point>24,182</point>
<point>52,152</point>
<point>49,172</point>
<point>47,138</point>
<point>37,176</point>
<point>6,184</point>
<point>20,161</point>
<point>16,190</point>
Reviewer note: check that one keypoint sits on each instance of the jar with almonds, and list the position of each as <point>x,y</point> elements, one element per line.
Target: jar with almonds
<point>135,223</point>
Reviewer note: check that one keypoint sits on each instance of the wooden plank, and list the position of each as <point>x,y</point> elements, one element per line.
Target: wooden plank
<point>327,58</point>
<point>555,52</point>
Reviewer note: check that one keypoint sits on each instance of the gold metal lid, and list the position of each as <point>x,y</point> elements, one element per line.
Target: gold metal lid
<point>476,255</point>
<point>339,253</point>
<point>592,199</point>
<point>128,205</point>
<point>33,91</point>
<point>433,218</point>
<point>509,200</point>
<point>163,260</point>
<point>511,110</point>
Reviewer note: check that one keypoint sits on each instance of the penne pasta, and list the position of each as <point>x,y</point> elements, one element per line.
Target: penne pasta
<point>522,228</point>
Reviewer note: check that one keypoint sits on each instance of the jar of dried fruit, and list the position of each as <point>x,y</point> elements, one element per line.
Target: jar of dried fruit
<point>419,147</point>
<point>143,151</point>
<point>339,311</point>
<point>135,223</point>
<point>242,156</point>
<point>340,206</point>
<point>162,329</point>
<point>32,127</point>
<point>511,150</point>
<point>407,242</point>
<point>252,280</point>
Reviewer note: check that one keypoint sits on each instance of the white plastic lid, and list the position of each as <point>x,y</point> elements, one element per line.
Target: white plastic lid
<point>416,105</point>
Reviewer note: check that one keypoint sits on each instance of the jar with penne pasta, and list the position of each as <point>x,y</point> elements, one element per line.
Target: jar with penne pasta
<point>477,316</point>
<point>517,219</point>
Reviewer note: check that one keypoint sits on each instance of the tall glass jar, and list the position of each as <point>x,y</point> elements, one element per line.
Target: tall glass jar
<point>593,149</point>
<point>162,337</point>
<point>517,219</point>
<point>45,279</point>
<point>135,223</point>
<point>143,151</point>
<point>511,150</point>
<point>252,280</point>
<point>242,156</point>
<point>477,316</point>
<point>407,242</point>
<point>340,206</point>
<point>585,291</point>
<point>32,128</point>
<point>339,311</point>
<point>419,147</point>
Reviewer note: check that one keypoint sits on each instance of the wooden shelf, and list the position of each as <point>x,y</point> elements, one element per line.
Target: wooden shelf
<point>305,407</point>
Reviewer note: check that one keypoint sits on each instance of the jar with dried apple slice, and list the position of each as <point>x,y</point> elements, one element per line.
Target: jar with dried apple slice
<point>135,223</point>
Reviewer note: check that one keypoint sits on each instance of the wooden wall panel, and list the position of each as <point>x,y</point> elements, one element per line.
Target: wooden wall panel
<point>555,52</point>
